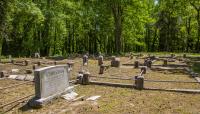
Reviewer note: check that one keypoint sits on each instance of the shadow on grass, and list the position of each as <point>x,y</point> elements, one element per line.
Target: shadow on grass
<point>196,67</point>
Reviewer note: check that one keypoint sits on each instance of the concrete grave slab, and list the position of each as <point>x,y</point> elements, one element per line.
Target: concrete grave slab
<point>29,78</point>
<point>15,70</point>
<point>12,77</point>
<point>20,77</point>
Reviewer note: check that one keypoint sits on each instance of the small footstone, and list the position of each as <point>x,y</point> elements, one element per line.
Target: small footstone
<point>12,76</point>
<point>136,64</point>
<point>29,78</point>
<point>15,70</point>
<point>20,77</point>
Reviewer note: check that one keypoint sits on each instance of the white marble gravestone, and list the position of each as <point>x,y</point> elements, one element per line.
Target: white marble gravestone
<point>50,82</point>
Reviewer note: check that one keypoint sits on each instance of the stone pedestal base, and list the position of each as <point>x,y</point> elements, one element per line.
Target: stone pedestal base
<point>40,102</point>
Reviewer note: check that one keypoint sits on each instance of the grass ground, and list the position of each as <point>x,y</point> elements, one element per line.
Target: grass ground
<point>113,100</point>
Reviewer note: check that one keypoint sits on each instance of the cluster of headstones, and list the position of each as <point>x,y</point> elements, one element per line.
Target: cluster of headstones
<point>115,62</point>
<point>83,78</point>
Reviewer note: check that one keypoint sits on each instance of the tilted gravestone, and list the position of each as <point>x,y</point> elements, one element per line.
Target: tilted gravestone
<point>50,82</point>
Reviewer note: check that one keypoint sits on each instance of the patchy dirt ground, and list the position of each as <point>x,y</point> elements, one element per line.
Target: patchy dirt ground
<point>113,100</point>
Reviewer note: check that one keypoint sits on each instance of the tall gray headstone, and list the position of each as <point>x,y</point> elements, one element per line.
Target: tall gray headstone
<point>50,82</point>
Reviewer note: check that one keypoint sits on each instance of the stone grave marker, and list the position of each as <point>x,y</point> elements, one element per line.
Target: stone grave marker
<point>10,58</point>
<point>136,65</point>
<point>115,62</point>
<point>12,77</point>
<point>85,60</point>
<point>100,60</point>
<point>37,55</point>
<point>20,77</point>
<point>29,78</point>
<point>50,82</point>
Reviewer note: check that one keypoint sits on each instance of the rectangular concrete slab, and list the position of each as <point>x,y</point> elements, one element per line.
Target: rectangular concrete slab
<point>20,77</point>
<point>29,78</point>
<point>12,77</point>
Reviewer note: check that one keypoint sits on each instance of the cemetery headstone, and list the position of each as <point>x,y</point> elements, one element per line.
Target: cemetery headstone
<point>85,60</point>
<point>2,74</point>
<point>85,79</point>
<point>101,70</point>
<point>115,62</point>
<point>26,62</point>
<point>136,65</point>
<point>39,63</point>
<point>10,58</point>
<point>139,82</point>
<point>37,55</point>
<point>50,82</point>
<point>149,63</point>
<point>79,77</point>
<point>100,60</point>
<point>143,69</point>
<point>34,66</point>
<point>165,62</point>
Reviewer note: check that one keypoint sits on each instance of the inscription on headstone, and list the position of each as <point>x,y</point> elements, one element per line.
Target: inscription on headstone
<point>50,82</point>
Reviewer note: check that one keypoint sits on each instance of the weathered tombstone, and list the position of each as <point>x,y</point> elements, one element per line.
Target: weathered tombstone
<point>2,74</point>
<point>85,79</point>
<point>10,58</point>
<point>29,78</point>
<point>79,77</point>
<point>165,62</point>
<point>100,60</point>
<point>115,62</point>
<point>70,65</point>
<point>39,63</point>
<point>143,69</point>
<point>26,62</point>
<point>101,69</point>
<point>37,55</point>
<point>139,82</point>
<point>145,62</point>
<point>136,65</point>
<point>85,60</point>
<point>34,66</point>
<point>50,82</point>
<point>149,63</point>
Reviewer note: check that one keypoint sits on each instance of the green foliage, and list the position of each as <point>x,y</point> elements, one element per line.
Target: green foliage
<point>62,27</point>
